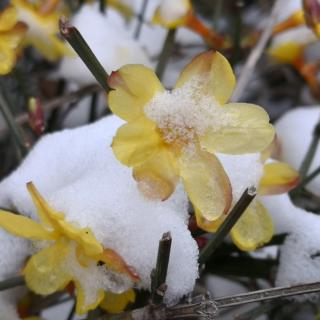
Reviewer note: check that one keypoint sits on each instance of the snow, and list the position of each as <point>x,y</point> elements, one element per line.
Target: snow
<point>77,173</point>
<point>171,11</point>
<point>299,259</point>
<point>294,133</point>
<point>110,41</point>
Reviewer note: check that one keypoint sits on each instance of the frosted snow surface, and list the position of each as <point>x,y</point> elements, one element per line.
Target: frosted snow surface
<point>75,170</point>
<point>294,133</point>
<point>300,254</point>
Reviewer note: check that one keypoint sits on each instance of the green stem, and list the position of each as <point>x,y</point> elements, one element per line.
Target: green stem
<point>159,274</point>
<point>75,39</point>
<point>227,225</point>
<point>311,152</point>
<point>165,53</point>
<point>5,108</point>
<point>12,283</point>
<point>102,6</point>
<point>141,19</point>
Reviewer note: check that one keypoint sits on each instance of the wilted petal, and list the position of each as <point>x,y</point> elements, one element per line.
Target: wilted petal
<point>206,183</point>
<point>115,262</point>
<point>157,177</point>
<point>134,86</point>
<point>278,177</point>
<point>244,128</point>
<point>214,72</point>
<point>253,229</point>
<point>116,303</point>
<point>45,272</point>
<point>136,141</point>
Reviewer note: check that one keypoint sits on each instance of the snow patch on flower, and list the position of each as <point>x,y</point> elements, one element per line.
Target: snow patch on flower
<point>171,11</point>
<point>186,112</point>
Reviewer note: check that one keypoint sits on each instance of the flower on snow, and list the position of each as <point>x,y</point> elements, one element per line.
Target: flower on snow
<point>255,227</point>
<point>179,13</point>
<point>11,34</point>
<point>43,28</point>
<point>172,134</point>
<point>49,270</point>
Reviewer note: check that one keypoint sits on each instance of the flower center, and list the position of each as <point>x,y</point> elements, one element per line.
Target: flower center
<point>185,113</point>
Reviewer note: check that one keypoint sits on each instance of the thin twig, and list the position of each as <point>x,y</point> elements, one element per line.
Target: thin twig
<point>159,274</point>
<point>205,308</point>
<point>227,225</point>
<point>255,54</point>
<point>5,109</point>
<point>165,53</point>
<point>75,39</point>
<point>68,98</point>
<point>141,19</point>
<point>310,177</point>
<point>12,283</point>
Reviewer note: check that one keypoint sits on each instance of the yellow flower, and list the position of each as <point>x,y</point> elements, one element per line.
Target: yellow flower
<point>43,29</point>
<point>116,303</point>
<point>49,270</point>
<point>11,34</point>
<point>174,14</point>
<point>255,227</point>
<point>172,134</point>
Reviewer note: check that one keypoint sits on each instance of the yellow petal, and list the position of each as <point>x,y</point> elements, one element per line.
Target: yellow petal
<point>116,303</point>
<point>47,215</point>
<point>158,176</point>
<point>84,237</point>
<point>136,141</point>
<point>171,24</point>
<point>134,86</point>
<point>7,58</point>
<point>206,184</point>
<point>253,229</point>
<point>45,272</point>
<point>206,225</point>
<point>294,20</point>
<point>83,305</point>
<point>288,52</point>
<point>115,262</point>
<point>8,18</point>
<point>246,129</point>
<point>214,72</point>
<point>24,227</point>
<point>278,177</point>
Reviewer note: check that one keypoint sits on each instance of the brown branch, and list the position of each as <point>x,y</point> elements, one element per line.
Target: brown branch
<point>206,308</point>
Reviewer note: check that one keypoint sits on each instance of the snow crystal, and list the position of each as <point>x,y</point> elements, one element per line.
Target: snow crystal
<point>108,38</point>
<point>77,173</point>
<point>300,254</point>
<point>294,133</point>
<point>185,112</point>
<point>173,10</point>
